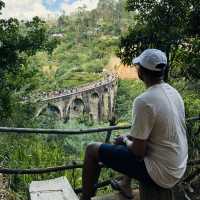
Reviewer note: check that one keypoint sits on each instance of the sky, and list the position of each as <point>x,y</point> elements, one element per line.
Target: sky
<point>27,9</point>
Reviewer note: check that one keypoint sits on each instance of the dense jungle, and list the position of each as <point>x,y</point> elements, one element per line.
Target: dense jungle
<point>42,56</point>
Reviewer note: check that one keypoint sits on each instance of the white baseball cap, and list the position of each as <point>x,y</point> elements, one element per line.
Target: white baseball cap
<point>150,59</point>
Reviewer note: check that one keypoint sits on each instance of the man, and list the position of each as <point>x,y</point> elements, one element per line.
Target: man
<point>156,150</point>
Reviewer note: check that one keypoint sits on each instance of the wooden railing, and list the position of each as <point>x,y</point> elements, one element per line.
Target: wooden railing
<point>73,165</point>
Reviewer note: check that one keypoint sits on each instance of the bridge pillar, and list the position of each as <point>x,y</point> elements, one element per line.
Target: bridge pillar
<point>100,108</point>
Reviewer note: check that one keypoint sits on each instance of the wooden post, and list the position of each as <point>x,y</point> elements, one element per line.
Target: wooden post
<point>154,192</point>
<point>112,122</point>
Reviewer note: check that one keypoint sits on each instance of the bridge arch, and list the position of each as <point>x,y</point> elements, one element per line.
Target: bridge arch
<point>95,95</point>
<point>50,109</point>
<point>75,109</point>
<point>105,90</point>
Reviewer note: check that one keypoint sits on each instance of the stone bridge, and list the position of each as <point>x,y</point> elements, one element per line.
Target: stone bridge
<point>97,100</point>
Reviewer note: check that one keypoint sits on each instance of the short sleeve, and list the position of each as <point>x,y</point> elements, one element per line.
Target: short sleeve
<point>143,118</point>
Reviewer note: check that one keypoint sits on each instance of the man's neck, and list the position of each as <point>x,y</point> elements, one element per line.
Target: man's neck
<point>152,83</point>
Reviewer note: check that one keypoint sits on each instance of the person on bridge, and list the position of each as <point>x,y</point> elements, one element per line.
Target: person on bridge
<point>156,150</point>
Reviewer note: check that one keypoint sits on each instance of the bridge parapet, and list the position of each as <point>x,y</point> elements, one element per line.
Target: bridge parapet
<point>89,86</point>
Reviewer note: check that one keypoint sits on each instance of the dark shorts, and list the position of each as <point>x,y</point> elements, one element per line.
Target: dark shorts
<point>119,158</point>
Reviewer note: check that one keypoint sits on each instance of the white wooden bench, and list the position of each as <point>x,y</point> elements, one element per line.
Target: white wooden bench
<point>60,189</point>
<point>55,189</point>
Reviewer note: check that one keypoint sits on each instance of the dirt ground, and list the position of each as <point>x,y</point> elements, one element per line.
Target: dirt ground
<point>4,192</point>
<point>124,72</point>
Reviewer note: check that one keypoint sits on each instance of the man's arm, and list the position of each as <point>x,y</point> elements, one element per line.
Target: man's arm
<point>136,146</point>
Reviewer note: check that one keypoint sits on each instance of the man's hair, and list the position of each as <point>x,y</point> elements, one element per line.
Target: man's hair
<point>155,75</point>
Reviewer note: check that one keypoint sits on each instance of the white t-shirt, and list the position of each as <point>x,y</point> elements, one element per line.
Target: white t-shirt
<point>159,118</point>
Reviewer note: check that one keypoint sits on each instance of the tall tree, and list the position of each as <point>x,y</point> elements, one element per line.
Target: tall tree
<point>18,40</point>
<point>161,24</point>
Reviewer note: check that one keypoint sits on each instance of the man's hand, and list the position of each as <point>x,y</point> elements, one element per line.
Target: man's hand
<point>136,146</point>
<point>130,137</point>
<point>119,140</point>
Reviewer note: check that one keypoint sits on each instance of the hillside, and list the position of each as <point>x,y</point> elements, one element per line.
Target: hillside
<point>124,72</point>
<point>87,40</point>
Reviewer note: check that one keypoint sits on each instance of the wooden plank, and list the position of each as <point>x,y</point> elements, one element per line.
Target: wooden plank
<point>54,189</point>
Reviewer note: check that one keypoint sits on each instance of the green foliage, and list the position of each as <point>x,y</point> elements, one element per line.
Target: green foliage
<point>161,24</point>
<point>19,37</point>
<point>9,32</point>
<point>186,61</point>
<point>46,151</point>
<point>191,95</point>
<point>127,91</point>
<point>18,41</point>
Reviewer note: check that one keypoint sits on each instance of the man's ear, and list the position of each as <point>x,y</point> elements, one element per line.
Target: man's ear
<point>140,74</point>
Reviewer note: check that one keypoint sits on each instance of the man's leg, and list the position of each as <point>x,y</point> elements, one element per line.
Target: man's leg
<point>117,157</point>
<point>126,180</point>
<point>91,170</point>
<point>123,185</point>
